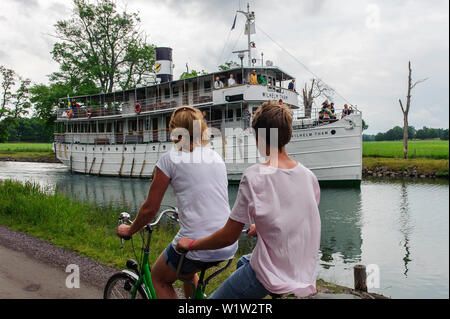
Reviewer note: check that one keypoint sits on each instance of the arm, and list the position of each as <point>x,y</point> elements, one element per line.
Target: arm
<point>224,237</point>
<point>150,207</point>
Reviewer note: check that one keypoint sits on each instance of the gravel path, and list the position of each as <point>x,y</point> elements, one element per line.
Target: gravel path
<point>18,246</point>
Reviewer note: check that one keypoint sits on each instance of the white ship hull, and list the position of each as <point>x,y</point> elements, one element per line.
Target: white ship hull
<point>333,152</point>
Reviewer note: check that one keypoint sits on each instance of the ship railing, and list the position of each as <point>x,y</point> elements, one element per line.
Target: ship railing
<point>314,118</point>
<point>193,98</point>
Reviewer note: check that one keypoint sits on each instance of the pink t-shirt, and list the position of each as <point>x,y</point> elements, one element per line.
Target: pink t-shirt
<point>283,203</point>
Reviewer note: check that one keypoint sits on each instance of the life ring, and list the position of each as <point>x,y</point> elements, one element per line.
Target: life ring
<point>69,114</point>
<point>88,113</point>
<point>137,108</point>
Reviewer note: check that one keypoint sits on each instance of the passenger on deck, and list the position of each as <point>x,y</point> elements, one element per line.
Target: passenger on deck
<point>262,80</point>
<point>231,80</point>
<point>292,85</point>
<point>253,78</point>
<point>218,84</point>
<point>192,170</point>
<point>346,111</point>
<point>333,114</point>
<point>286,220</point>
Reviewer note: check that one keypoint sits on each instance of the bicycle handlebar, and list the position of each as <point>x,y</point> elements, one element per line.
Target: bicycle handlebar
<point>124,218</point>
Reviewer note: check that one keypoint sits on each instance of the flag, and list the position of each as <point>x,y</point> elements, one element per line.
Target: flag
<point>234,23</point>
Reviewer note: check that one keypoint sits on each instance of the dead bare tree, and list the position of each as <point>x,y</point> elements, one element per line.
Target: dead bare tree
<point>318,88</point>
<point>405,111</point>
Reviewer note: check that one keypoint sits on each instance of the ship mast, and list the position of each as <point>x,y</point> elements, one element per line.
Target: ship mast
<point>250,16</point>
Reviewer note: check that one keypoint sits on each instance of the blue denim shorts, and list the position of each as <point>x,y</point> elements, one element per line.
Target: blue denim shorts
<point>172,258</point>
<point>242,284</point>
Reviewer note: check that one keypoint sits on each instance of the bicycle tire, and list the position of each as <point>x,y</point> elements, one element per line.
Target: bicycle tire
<point>119,286</point>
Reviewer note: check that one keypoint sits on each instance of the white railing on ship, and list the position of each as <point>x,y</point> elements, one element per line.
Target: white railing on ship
<point>194,98</point>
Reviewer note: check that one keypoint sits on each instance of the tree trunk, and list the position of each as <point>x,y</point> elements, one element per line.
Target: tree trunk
<point>405,135</point>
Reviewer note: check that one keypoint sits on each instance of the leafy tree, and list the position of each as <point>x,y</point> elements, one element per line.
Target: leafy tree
<point>365,126</point>
<point>103,45</point>
<point>45,98</point>
<point>226,66</point>
<point>444,135</point>
<point>14,99</point>
<point>192,74</point>
<point>29,130</point>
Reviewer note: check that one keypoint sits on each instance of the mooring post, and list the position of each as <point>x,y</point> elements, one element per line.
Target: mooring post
<point>360,276</point>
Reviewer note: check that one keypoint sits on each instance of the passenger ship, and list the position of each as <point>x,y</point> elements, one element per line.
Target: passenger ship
<point>124,133</point>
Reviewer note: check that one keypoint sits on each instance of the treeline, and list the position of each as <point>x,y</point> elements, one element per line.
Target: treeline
<point>30,130</point>
<point>396,133</point>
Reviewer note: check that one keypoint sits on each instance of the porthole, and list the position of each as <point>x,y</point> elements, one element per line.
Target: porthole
<point>117,148</point>
<point>164,147</point>
<point>76,148</point>
<point>82,148</point>
<point>153,148</point>
<point>93,149</point>
<point>101,149</point>
<point>109,149</point>
<point>333,132</point>
<point>134,148</point>
<point>125,149</point>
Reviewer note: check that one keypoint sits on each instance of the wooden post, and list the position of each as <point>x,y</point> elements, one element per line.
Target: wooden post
<point>92,165</point>
<point>101,166</point>
<point>360,276</point>
<point>142,169</point>
<point>132,168</point>
<point>121,166</point>
<point>71,170</point>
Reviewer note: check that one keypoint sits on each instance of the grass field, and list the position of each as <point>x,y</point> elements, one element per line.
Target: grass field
<point>433,149</point>
<point>25,147</point>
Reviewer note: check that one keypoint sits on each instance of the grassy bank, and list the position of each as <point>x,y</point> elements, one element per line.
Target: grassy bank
<point>26,151</point>
<point>436,167</point>
<point>430,149</point>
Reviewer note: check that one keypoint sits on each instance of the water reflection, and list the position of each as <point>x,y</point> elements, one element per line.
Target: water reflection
<point>405,225</point>
<point>340,212</point>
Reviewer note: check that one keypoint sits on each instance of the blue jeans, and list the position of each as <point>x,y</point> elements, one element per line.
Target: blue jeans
<point>242,284</point>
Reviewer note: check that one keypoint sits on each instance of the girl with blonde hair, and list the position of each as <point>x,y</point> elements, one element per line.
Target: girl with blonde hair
<point>199,181</point>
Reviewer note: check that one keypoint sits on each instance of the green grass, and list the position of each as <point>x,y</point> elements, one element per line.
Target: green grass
<point>26,150</point>
<point>423,165</point>
<point>433,149</point>
<point>25,147</point>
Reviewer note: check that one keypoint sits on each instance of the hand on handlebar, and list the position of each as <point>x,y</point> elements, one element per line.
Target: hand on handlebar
<point>123,231</point>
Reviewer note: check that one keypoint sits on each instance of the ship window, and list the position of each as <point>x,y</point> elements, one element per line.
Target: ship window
<point>175,91</point>
<point>238,113</point>
<point>229,114</point>
<point>207,86</point>
<point>108,127</point>
<point>101,127</point>
<point>167,93</point>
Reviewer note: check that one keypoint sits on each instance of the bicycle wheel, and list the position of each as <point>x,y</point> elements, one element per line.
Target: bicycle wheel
<point>120,285</point>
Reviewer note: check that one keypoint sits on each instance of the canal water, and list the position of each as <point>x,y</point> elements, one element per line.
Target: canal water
<point>399,227</point>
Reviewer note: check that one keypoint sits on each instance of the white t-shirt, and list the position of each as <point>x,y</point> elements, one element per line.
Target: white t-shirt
<point>231,82</point>
<point>200,184</point>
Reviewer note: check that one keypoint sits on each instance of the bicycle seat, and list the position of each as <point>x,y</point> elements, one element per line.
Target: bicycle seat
<point>203,266</point>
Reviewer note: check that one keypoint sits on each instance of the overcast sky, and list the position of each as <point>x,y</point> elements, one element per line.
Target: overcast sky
<point>361,48</point>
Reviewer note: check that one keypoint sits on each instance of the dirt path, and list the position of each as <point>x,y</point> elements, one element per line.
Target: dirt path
<point>31,268</point>
<point>26,278</point>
